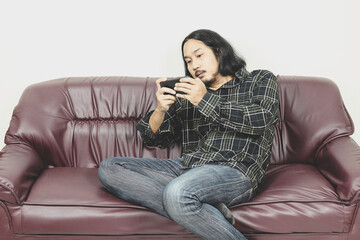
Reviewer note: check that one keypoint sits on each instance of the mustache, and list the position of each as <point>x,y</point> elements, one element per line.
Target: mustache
<point>198,72</point>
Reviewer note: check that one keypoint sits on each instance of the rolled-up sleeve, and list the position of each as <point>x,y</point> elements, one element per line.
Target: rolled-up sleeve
<point>168,133</point>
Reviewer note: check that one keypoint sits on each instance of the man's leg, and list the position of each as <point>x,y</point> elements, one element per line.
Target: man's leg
<point>138,180</point>
<point>189,200</point>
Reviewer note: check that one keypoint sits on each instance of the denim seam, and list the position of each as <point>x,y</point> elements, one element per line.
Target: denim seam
<point>146,168</point>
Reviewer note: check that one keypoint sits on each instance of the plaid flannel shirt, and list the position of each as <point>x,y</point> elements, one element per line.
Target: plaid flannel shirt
<point>233,125</point>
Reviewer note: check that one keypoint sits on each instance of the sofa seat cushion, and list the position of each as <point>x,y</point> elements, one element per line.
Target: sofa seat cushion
<point>293,198</point>
<point>73,201</point>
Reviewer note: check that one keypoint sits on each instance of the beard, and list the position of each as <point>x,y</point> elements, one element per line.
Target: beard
<point>210,81</point>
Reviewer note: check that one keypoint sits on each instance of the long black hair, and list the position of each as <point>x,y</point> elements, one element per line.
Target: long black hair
<point>229,61</point>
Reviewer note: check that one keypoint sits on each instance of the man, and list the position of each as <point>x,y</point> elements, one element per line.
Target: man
<point>225,120</point>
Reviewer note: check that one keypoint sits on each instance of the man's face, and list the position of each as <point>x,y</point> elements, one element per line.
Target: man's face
<point>201,61</point>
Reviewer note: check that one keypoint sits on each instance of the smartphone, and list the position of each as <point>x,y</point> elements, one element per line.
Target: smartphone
<point>171,84</point>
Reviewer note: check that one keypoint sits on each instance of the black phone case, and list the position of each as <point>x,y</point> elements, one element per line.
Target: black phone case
<point>171,84</point>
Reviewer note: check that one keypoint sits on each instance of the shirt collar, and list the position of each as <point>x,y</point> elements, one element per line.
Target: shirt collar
<point>242,74</point>
<point>239,78</point>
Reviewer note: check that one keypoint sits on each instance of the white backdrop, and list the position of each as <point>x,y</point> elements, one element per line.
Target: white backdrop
<point>42,40</point>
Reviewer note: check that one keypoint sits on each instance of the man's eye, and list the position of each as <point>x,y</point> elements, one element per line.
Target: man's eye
<point>199,56</point>
<point>189,61</point>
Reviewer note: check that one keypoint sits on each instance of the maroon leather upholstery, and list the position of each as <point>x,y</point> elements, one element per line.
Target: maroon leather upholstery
<point>62,129</point>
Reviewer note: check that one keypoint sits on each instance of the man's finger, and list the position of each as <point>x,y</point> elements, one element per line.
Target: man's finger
<point>187,80</point>
<point>182,86</point>
<point>160,80</point>
<point>184,96</point>
<point>168,90</point>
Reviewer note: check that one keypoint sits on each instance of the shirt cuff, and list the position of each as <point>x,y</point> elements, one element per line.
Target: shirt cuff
<point>144,128</point>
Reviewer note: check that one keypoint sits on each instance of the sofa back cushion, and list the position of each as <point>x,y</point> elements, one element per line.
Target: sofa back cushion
<point>78,122</point>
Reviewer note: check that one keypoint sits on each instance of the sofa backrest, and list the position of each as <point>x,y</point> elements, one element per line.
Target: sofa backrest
<point>78,122</point>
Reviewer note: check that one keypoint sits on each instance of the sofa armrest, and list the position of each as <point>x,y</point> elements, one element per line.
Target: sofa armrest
<point>20,165</point>
<point>339,162</point>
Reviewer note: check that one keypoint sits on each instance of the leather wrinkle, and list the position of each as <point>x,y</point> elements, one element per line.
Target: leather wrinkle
<point>73,113</point>
<point>68,98</point>
<point>103,120</point>
<point>96,119</point>
<point>93,100</point>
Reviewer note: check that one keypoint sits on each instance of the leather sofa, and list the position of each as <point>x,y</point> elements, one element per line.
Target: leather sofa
<point>62,129</point>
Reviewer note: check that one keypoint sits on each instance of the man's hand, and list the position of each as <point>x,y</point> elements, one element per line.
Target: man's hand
<point>163,104</point>
<point>194,88</point>
<point>164,101</point>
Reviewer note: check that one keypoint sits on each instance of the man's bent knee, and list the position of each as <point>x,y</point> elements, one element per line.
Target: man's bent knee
<point>178,201</point>
<point>105,169</point>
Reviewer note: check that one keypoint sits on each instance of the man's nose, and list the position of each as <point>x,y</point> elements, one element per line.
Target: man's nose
<point>196,64</point>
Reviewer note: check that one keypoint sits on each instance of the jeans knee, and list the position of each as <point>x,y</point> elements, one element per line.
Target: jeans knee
<point>104,170</point>
<point>178,201</point>
<point>106,162</point>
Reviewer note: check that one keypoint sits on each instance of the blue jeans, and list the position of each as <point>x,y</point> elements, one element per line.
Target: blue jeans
<point>187,197</point>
